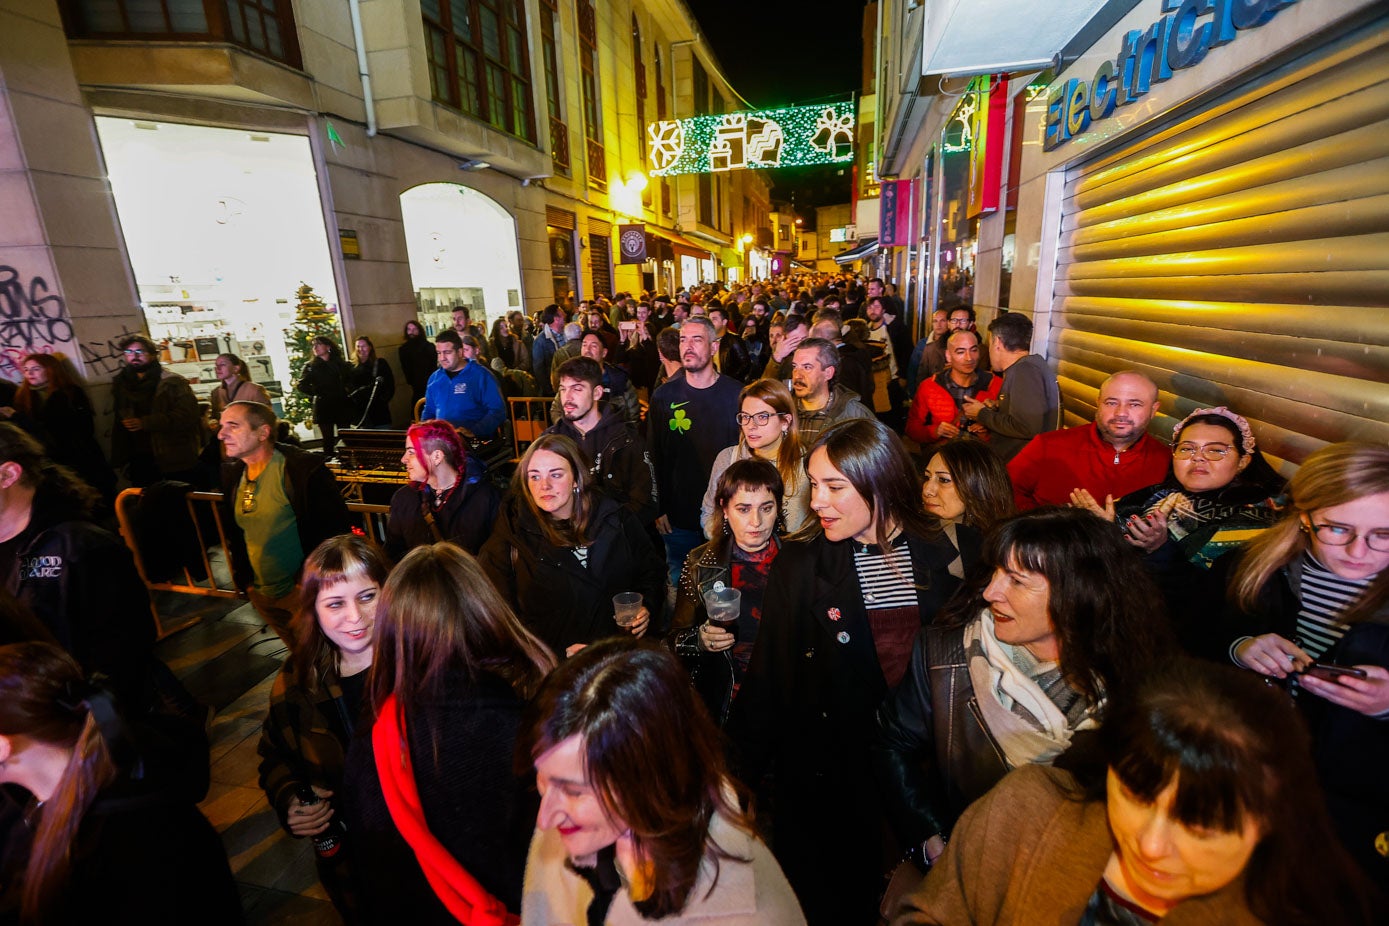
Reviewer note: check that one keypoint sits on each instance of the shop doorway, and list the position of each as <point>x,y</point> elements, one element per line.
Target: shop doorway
<point>462,250</point>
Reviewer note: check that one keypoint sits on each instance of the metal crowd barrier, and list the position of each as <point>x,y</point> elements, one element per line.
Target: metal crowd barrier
<point>204,509</point>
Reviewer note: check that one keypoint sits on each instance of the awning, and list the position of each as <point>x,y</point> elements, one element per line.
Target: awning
<point>998,36</point>
<point>683,247</point>
<point>730,258</point>
<point>866,248</point>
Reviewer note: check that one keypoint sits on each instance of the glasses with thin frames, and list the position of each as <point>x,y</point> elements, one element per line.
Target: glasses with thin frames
<point>1338,535</point>
<point>1214,452</point>
<point>744,419</point>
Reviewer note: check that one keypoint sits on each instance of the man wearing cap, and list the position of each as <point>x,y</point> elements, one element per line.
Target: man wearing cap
<point>158,432</point>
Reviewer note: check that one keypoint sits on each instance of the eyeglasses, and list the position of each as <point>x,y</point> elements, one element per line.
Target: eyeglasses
<point>1213,452</point>
<point>1338,535</point>
<point>248,499</point>
<point>744,419</point>
<point>136,352</point>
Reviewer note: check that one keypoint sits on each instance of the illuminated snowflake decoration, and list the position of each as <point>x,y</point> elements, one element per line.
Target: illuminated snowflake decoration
<point>667,143</point>
<point>834,134</point>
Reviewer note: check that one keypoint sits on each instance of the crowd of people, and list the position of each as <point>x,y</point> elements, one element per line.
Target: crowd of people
<point>783,620</point>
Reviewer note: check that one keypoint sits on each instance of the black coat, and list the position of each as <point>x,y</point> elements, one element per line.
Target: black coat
<point>478,808</point>
<point>418,361</point>
<point>465,518</point>
<point>559,600</point>
<point>373,385</point>
<point>64,422</point>
<point>327,382</point>
<point>806,713</point>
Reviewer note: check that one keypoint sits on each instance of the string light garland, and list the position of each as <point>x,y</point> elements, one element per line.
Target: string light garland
<point>792,136</point>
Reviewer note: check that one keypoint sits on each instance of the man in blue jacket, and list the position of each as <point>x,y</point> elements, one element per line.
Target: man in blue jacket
<point>463,393</point>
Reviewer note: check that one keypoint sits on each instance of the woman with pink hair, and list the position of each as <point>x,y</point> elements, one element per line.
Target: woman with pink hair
<point>443,501</point>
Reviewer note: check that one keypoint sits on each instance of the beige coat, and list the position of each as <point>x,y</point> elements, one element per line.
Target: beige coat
<point>1028,854</point>
<point>747,894</point>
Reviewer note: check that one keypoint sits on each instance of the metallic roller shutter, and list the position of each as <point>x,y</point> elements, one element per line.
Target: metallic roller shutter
<point>1241,257</point>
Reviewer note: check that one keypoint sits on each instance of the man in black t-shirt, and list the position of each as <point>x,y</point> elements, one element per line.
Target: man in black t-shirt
<point>691,419</point>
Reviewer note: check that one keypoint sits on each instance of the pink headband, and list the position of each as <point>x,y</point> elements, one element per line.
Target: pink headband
<point>1246,435</point>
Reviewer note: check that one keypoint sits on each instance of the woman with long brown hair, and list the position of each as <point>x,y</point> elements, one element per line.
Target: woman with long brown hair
<point>437,823</point>
<point>561,550</point>
<point>52,406</point>
<point>100,838</point>
<point>845,599</point>
<point>317,698</point>
<point>624,839</point>
<point>965,488</point>
<point>767,422</point>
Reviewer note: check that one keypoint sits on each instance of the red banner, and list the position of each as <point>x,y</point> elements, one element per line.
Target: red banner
<point>895,212</point>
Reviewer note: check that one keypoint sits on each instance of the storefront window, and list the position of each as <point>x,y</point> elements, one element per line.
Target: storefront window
<point>958,232</point>
<point>462,250</point>
<point>222,227</point>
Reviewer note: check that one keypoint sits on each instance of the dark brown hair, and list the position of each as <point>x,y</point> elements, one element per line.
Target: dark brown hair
<point>576,533</point>
<point>1236,749</point>
<point>880,470</point>
<point>651,753</point>
<point>1107,614</point>
<point>39,701</point>
<point>40,473</point>
<point>439,614</point>
<point>981,480</point>
<point>337,559</point>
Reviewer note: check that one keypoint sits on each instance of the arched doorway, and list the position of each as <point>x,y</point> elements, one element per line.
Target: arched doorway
<point>462,250</point>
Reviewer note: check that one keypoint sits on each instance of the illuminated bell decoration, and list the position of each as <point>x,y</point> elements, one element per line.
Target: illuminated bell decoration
<point>793,136</point>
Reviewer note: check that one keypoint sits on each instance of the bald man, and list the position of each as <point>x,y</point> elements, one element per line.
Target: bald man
<point>1109,458</point>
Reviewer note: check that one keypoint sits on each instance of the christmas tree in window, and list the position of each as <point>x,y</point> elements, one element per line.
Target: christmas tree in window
<point>312,319</point>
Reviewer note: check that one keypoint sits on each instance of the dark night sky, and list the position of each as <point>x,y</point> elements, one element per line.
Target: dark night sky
<point>787,52</point>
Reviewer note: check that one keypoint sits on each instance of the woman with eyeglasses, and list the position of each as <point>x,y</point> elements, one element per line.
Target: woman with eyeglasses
<point>1218,496</point>
<point>1314,589</point>
<point>767,419</point>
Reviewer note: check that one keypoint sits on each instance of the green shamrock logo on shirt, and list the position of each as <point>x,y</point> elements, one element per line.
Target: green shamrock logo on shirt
<point>681,421</point>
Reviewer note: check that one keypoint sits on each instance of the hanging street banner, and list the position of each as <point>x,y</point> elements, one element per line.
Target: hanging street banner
<point>793,136</point>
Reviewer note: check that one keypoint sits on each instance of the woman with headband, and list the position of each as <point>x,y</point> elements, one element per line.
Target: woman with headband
<point>1217,497</point>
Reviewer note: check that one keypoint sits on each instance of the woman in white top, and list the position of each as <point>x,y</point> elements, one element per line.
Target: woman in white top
<point>639,819</point>
<point>767,418</point>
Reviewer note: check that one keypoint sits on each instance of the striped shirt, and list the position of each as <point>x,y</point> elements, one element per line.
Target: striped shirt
<point>1324,597</point>
<point>885,577</point>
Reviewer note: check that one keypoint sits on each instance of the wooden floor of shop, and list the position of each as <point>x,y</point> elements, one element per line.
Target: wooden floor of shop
<point>227,661</point>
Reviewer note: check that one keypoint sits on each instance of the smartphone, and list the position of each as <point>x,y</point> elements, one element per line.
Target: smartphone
<point>1329,671</point>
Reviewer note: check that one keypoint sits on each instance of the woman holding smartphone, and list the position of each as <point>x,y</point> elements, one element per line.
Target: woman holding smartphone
<point>1314,588</point>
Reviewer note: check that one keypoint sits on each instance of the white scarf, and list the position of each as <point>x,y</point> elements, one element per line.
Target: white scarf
<point>999,685</point>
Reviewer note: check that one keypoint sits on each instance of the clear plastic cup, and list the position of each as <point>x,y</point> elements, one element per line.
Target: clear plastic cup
<point>626,605</point>
<point>723,606</point>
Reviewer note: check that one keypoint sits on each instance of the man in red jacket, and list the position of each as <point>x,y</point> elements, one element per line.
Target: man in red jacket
<point>937,411</point>
<point>1109,458</point>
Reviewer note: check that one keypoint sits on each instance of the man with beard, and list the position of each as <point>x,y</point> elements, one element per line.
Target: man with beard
<point>691,418</point>
<point>618,392</point>
<point>1108,458</point>
<point>621,465</point>
<point>158,432</point>
<point>937,413</point>
<point>820,402</point>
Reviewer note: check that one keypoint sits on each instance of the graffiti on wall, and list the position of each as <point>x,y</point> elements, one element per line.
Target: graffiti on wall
<point>34,320</point>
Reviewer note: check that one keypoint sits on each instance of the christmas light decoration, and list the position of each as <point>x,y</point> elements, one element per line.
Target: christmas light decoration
<point>793,136</point>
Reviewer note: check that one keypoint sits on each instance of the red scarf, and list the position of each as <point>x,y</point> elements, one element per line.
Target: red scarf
<point>456,889</point>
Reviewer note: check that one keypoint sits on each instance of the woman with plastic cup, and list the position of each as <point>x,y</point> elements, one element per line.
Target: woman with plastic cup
<point>729,572</point>
<point>561,550</point>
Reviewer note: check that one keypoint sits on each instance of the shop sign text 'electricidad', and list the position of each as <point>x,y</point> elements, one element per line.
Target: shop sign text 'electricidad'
<point>1178,40</point>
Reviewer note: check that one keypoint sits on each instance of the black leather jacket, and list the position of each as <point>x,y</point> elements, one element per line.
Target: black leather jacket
<point>934,753</point>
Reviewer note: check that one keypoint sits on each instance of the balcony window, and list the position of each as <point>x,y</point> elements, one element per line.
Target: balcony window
<point>588,81</point>
<point>262,26</point>
<point>478,61</point>
<point>554,99</point>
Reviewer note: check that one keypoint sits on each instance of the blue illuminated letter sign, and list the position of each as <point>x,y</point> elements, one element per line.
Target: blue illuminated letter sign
<point>1180,39</point>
